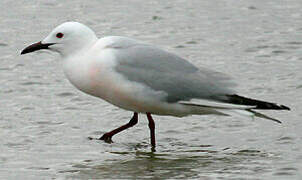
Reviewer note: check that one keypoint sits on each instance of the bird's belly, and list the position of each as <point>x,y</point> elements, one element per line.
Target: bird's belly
<point>128,95</point>
<point>105,83</point>
<point>121,94</point>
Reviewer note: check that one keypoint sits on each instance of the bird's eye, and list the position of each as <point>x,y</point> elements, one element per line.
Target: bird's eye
<point>59,35</point>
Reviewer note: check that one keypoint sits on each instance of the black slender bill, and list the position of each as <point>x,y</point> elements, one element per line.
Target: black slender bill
<point>35,47</point>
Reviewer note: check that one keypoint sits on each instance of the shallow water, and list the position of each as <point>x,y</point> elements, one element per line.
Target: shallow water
<point>45,122</point>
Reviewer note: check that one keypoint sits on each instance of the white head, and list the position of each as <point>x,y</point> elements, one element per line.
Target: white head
<point>65,39</point>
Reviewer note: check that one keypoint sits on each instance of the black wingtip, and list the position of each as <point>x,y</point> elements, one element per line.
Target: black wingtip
<point>285,107</point>
<point>236,99</point>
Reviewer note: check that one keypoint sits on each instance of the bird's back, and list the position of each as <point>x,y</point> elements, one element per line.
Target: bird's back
<point>167,72</point>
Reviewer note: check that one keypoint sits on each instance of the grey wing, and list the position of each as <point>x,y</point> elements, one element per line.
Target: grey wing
<point>164,71</point>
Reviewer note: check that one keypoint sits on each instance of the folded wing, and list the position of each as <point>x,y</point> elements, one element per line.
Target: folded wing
<point>178,78</point>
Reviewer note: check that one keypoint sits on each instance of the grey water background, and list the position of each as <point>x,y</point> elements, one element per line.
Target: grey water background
<point>45,122</point>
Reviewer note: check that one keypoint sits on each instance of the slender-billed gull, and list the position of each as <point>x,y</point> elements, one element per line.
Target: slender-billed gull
<point>139,77</point>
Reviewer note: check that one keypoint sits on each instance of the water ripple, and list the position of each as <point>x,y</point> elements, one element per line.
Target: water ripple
<point>65,94</point>
<point>30,83</point>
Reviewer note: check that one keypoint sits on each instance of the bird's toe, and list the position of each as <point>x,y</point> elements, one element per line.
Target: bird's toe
<point>107,138</point>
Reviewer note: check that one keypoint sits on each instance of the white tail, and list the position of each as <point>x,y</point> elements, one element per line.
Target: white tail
<point>226,109</point>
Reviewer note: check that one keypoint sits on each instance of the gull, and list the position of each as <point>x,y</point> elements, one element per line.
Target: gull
<point>144,79</point>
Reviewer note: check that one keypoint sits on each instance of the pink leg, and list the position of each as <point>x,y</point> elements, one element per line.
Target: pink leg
<point>107,137</point>
<point>152,129</point>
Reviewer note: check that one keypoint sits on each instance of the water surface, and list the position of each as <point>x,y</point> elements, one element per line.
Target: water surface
<point>45,122</point>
